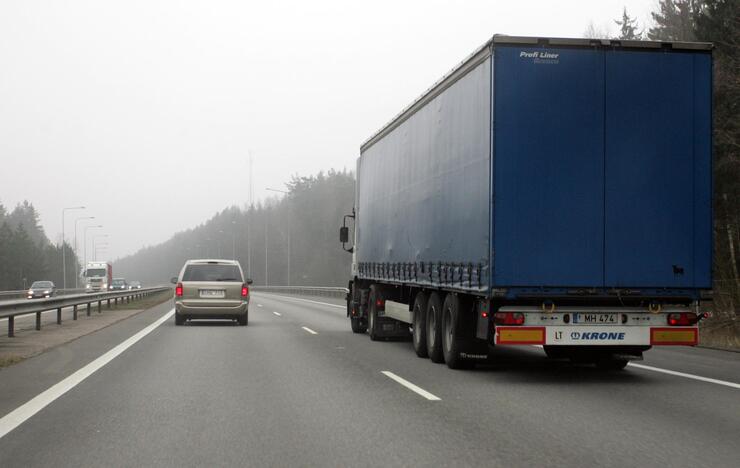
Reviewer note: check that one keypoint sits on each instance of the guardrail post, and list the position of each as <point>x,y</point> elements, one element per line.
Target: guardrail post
<point>108,303</point>
<point>59,316</point>
<point>74,312</point>
<point>89,306</point>
<point>115,302</point>
<point>11,326</point>
<point>38,320</point>
<point>100,306</point>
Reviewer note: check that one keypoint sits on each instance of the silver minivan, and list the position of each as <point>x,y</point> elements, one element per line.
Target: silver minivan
<point>211,289</point>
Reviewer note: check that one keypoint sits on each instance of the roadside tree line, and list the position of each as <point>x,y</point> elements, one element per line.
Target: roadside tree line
<point>26,254</point>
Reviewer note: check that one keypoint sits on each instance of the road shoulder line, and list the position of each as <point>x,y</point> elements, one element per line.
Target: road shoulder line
<point>688,376</point>
<point>19,415</point>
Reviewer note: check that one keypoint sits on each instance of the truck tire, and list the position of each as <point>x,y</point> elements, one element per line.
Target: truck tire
<point>611,364</point>
<point>373,326</point>
<point>359,325</point>
<point>420,325</point>
<point>452,339</point>
<point>556,352</point>
<point>179,319</point>
<point>434,328</point>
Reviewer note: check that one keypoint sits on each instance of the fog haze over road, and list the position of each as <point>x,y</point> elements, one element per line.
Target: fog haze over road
<point>146,111</point>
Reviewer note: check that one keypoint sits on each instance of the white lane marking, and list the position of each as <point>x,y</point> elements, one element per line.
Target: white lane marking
<point>277,313</point>
<point>537,346</point>
<point>310,331</point>
<point>410,386</point>
<point>688,376</point>
<point>19,415</point>
<point>679,374</point>
<point>259,305</point>
<point>307,300</point>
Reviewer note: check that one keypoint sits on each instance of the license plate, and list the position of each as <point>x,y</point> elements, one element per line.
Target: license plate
<point>591,319</point>
<point>212,293</point>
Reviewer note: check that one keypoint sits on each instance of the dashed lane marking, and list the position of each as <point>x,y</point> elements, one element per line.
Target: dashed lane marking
<point>410,386</point>
<point>310,331</point>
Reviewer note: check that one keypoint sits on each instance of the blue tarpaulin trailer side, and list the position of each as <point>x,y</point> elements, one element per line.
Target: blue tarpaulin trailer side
<point>546,164</point>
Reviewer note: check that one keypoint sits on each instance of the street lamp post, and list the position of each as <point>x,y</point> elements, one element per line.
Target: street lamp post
<point>220,239</point>
<point>289,223</point>
<point>77,254</point>
<point>233,240</point>
<point>95,245</point>
<point>64,256</point>
<point>84,241</point>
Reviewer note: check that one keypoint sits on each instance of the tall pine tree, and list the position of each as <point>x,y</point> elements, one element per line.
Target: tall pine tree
<point>675,20</point>
<point>628,27</point>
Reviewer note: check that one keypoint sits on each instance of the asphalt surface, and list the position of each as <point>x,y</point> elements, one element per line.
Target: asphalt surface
<point>300,389</point>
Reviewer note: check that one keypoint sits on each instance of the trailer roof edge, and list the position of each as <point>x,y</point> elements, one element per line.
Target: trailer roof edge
<point>485,51</point>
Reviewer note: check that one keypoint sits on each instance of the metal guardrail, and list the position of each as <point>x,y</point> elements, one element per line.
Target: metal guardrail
<point>304,290</point>
<point>12,309</point>
<point>23,292</point>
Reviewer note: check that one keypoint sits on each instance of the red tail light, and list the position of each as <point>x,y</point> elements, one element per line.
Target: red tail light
<point>245,290</point>
<point>178,290</point>
<point>682,319</point>
<point>508,318</point>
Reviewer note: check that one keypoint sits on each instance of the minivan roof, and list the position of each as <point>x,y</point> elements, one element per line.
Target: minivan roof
<point>212,261</point>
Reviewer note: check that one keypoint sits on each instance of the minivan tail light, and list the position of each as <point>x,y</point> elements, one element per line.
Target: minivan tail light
<point>245,290</point>
<point>178,290</point>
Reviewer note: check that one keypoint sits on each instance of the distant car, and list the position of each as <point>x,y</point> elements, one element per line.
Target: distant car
<point>134,285</point>
<point>41,289</point>
<point>118,284</point>
<point>209,289</point>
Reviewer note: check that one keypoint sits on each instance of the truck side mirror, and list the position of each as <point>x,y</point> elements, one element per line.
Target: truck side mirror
<point>173,280</point>
<point>344,234</point>
<point>249,281</point>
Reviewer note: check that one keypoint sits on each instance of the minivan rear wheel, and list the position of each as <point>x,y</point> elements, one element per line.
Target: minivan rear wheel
<point>179,319</point>
<point>243,320</point>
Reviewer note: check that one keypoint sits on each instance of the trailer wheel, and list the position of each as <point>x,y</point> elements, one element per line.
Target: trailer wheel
<point>434,328</point>
<point>372,314</point>
<point>420,325</point>
<point>452,340</point>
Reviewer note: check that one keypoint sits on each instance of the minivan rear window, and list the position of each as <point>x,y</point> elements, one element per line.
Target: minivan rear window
<point>212,272</point>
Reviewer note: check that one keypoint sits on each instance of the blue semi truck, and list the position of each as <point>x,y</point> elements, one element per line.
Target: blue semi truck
<point>552,192</point>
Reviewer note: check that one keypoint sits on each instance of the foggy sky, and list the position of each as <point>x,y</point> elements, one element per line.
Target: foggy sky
<point>146,111</point>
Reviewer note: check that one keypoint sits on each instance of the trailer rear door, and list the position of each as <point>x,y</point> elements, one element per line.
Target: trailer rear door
<point>656,168</point>
<point>548,166</point>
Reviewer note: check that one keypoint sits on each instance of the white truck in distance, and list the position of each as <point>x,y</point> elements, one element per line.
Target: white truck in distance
<point>98,276</point>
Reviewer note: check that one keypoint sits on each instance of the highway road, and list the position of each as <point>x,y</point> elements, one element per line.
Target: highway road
<point>297,388</point>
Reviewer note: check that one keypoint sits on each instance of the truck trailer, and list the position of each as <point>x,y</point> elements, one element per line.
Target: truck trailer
<point>551,192</point>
